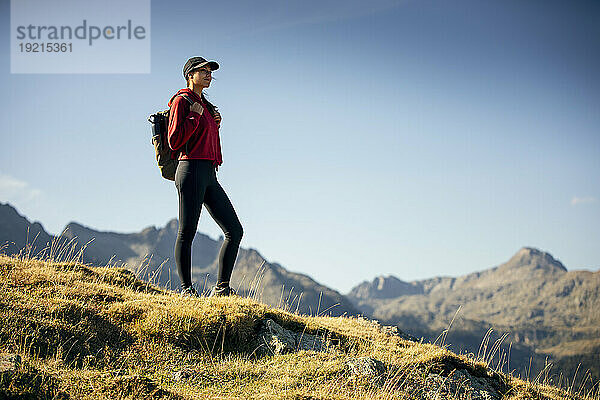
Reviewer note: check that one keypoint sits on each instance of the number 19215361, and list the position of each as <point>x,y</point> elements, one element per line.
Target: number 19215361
<point>46,47</point>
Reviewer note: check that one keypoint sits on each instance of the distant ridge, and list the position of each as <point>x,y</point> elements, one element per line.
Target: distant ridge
<point>16,232</point>
<point>385,287</point>
<point>527,260</point>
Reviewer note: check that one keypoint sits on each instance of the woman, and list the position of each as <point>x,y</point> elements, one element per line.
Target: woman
<point>194,132</point>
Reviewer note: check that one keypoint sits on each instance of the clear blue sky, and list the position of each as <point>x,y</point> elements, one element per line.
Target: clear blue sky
<point>413,138</point>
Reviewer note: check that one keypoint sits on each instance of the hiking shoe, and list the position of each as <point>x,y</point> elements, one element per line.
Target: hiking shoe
<point>226,291</point>
<point>189,292</point>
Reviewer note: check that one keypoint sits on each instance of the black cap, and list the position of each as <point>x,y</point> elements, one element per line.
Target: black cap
<point>197,62</point>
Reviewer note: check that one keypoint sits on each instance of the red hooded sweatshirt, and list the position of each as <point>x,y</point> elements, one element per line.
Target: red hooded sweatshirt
<point>201,130</point>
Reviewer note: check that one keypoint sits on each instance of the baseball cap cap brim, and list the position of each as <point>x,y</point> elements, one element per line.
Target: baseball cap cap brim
<point>198,62</point>
<point>213,65</point>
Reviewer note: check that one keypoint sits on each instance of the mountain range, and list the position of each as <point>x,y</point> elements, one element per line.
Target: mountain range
<point>531,306</point>
<point>543,309</point>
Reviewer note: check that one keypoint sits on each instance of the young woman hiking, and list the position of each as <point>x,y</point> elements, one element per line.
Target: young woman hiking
<point>194,131</point>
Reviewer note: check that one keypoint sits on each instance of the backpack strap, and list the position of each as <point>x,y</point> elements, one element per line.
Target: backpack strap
<point>189,100</point>
<point>187,97</point>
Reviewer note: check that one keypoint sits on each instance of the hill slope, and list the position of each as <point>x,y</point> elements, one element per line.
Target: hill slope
<point>75,331</point>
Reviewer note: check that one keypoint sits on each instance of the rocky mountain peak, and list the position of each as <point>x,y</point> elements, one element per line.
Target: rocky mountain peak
<point>385,287</point>
<point>172,226</point>
<point>74,227</point>
<point>149,230</point>
<point>16,232</point>
<point>384,282</point>
<point>532,258</point>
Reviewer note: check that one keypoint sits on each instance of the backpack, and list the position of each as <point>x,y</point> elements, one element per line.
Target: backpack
<point>165,157</point>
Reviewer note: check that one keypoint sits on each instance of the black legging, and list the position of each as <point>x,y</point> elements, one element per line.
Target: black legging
<point>196,183</point>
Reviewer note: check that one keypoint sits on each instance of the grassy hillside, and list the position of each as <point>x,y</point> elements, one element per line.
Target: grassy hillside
<point>71,331</point>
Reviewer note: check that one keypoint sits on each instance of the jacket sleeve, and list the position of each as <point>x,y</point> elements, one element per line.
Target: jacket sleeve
<point>182,124</point>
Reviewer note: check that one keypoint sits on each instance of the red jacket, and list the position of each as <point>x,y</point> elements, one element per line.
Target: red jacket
<point>201,130</point>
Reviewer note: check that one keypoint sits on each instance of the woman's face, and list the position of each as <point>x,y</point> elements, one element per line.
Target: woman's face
<point>202,76</point>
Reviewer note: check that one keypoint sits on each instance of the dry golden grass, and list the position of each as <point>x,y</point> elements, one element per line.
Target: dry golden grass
<point>88,332</point>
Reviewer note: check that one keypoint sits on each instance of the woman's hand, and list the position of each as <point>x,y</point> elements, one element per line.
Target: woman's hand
<point>217,118</point>
<point>197,107</point>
